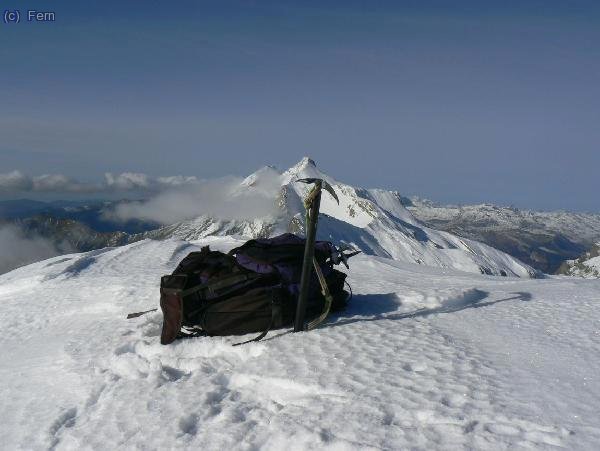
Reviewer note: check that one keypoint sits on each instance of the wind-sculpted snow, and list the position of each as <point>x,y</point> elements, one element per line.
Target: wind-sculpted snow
<point>423,358</point>
<point>375,221</point>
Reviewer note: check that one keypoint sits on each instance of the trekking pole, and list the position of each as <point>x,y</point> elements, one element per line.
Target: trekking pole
<point>309,251</point>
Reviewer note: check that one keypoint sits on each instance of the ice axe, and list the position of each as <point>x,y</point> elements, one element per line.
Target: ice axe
<point>312,204</point>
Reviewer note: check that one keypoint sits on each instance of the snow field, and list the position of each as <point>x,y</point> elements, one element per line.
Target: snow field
<point>424,358</point>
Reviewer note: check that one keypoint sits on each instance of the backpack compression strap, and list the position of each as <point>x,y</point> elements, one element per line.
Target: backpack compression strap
<point>221,285</point>
<point>275,314</point>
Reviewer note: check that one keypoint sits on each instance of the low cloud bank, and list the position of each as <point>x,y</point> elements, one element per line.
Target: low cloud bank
<point>17,249</point>
<point>18,182</point>
<point>169,199</point>
<point>136,181</point>
<point>225,198</point>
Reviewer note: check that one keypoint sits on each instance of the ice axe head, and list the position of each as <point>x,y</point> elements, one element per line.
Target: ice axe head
<point>324,184</point>
<point>338,254</point>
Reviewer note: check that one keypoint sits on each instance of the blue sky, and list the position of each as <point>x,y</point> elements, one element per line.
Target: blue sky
<point>454,101</point>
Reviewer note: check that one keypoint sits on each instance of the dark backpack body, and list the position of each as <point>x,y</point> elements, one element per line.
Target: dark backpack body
<point>251,289</point>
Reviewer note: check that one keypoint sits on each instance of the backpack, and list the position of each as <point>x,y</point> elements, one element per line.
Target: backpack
<point>253,288</point>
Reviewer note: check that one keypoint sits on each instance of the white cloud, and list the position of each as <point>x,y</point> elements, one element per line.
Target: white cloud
<point>170,199</point>
<point>177,180</point>
<point>16,249</point>
<point>127,181</point>
<point>60,183</point>
<point>15,181</point>
<point>220,198</point>
<point>130,181</point>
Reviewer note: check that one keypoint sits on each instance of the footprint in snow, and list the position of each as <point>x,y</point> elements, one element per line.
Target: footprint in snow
<point>188,425</point>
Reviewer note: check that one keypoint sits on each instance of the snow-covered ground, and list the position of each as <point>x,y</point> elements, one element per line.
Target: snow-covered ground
<point>424,358</point>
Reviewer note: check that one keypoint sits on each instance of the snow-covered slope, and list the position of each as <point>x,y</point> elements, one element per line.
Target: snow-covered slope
<point>542,239</point>
<point>423,358</point>
<point>588,265</point>
<point>375,221</point>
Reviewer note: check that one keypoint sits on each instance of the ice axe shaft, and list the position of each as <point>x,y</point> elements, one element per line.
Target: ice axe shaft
<point>309,252</point>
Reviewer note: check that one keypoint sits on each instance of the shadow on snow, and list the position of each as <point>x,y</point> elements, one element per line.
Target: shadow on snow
<point>376,307</point>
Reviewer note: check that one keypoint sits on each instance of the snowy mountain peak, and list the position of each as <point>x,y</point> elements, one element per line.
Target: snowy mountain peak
<point>305,164</point>
<point>375,221</point>
<point>306,161</point>
<point>305,168</point>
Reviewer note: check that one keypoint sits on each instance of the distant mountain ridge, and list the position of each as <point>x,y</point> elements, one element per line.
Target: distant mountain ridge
<point>543,240</point>
<point>379,222</point>
<point>89,213</point>
<point>373,220</point>
<point>33,230</point>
